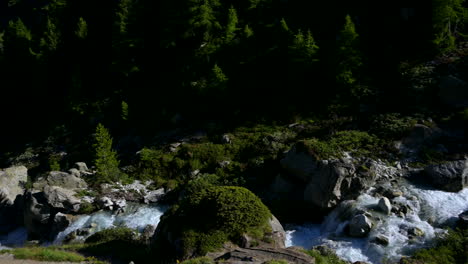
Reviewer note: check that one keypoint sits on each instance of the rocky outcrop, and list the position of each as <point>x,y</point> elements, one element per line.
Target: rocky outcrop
<point>12,182</point>
<point>261,255</point>
<point>62,200</point>
<point>463,220</point>
<point>36,214</point>
<point>327,182</point>
<point>278,234</point>
<point>61,179</point>
<point>451,176</point>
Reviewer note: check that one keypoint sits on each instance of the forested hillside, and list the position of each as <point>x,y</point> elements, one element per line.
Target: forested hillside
<point>141,66</point>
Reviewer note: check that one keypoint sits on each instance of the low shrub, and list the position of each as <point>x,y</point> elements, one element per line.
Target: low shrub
<point>324,259</point>
<point>112,234</point>
<point>201,260</point>
<point>210,215</point>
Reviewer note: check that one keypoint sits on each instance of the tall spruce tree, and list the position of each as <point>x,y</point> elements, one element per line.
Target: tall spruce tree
<point>448,17</point>
<point>106,162</point>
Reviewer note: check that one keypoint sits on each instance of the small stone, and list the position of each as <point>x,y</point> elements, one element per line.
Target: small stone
<point>416,232</point>
<point>359,226</point>
<point>381,240</point>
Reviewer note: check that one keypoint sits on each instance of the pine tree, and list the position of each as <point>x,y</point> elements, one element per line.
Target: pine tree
<point>231,27</point>
<point>349,56</point>
<point>51,38</point>
<point>81,29</point>
<point>123,15</point>
<point>448,17</point>
<point>106,162</point>
<point>304,48</point>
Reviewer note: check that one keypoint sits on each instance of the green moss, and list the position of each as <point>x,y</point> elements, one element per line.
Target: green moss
<point>210,215</point>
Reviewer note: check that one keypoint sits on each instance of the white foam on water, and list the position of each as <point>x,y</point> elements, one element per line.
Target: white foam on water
<point>430,208</point>
<point>135,217</point>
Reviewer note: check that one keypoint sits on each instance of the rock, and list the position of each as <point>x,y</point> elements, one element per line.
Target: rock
<point>12,182</point>
<point>281,185</point>
<point>81,167</point>
<point>65,180</point>
<point>327,182</point>
<point>263,254</point>
<point>359,226</point>
<point>384,205</point>
<point>299,164</point>
<point>36,214</point>
<point>226,139</point>
<point>381,240</point>
<point>451,176</point>
<point>59,224</point>
<point>453,91</point>
<point>463,220</point>
<point>148,232</point>
<point>119,205</point>
<point>414,231</point>
<point>105,203</point>
<point>74,172</point>
<point>419,135</point>
<point>245,241</point>
<point>12,189</point>
<point>278,233</point>
<point>61,199</point>
<point>154,196</point>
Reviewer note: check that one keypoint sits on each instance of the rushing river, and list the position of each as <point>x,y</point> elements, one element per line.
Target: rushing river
<point>135,216</point>
<point>431,209</point>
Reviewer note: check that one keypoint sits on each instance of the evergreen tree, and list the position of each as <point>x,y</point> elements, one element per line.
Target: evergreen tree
<point>51,38</point>
<point>231,27</point>
<point>81,29</point>
<point>448,18</point>
<point>106,162</point>
<point>123,15</point>
<point>304,47</point>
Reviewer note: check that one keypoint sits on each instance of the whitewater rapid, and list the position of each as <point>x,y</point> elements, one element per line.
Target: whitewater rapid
<point>135,217</point>
<point>431,209</point>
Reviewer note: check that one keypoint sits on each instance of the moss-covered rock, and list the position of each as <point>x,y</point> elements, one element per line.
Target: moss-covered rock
<point>206,218</point>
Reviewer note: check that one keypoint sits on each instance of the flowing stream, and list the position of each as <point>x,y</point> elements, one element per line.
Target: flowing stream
<point>135,216</point>
<point>431,209</point>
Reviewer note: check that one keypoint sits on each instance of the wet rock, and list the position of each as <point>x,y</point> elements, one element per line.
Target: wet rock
<point>106,203</point>
<point>277,232</point>
<point>417,232</point>
<point>384,205</point>
<point>381,240</point>
<point>60,223</point>
<point>360,226</point>
<point>463,220</point>
<point>148,232</point>
<point>154,196</point>
<point>450,176</point>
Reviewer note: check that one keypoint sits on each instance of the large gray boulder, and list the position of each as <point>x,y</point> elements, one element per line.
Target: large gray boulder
<point>384,205</point>
<point>328,182</point>
<point>278,234</point>
<point>37,214</point>
<point>65,180</point>
<point>12,182</point>
<point>450,176</point>
<point>61,199</point>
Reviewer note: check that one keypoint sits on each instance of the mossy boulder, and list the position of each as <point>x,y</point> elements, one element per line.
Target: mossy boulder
<point>207,218</point>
